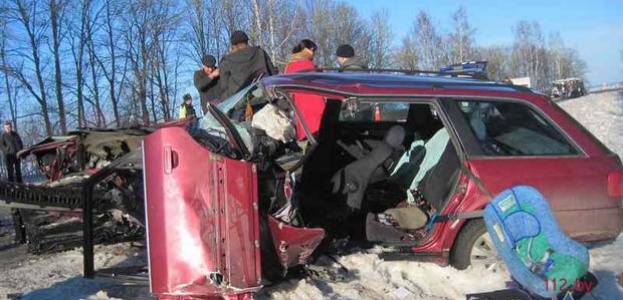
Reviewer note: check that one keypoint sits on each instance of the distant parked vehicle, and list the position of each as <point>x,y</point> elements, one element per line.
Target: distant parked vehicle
<point>523,81</point>
<point>568,88</point>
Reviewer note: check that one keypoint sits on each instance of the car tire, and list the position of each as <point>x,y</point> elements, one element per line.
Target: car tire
<point>460,256</point>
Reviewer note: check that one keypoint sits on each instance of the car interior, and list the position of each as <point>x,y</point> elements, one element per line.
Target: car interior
<point>360,178</point>
<point>367,173</point>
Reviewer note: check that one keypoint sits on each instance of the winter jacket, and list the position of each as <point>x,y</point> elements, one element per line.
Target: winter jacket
<point>187,111</point>
<point>354,63</point>
<point>11,142</point>
<point>311,106</point>
<point>239,69</point>
<point>209,89</point>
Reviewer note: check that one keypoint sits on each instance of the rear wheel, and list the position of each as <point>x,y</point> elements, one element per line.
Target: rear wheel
<point>474,247</point>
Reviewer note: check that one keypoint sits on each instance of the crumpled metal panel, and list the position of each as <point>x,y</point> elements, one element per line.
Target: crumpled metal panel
<point>201,219</point>
<point>294,244</point>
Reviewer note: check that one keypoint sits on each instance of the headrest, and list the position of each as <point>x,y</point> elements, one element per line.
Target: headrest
<point>395,136</point>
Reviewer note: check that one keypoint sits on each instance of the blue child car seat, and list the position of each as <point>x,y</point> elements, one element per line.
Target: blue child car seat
<point>529,240</point>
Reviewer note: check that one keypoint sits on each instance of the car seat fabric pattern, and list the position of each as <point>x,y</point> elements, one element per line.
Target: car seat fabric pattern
<point>529,240</point>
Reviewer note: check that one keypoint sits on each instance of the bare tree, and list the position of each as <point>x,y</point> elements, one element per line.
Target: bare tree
<point>330,24</point>
<point>380,51</point>
<point>497,58</point>
<point>257,25</point>
<point>138,40</point>
<point>528,51</point>
<point>557,48</point>
<point>407,57</point>
<point>198,35</point>
<point>428,42</point>
<point>462,38</point>
<point>26,14</point>
<point>77,39</point>
<point>165,40</point>
<point>56,11</point>
<point>9,84</point>
<point>112,35</point>
<point>282,25</point>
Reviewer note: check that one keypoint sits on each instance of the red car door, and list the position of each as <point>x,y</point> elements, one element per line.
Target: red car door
<point>202,219</point>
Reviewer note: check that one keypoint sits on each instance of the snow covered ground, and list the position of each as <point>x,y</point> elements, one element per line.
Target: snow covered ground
<point>57,276</point>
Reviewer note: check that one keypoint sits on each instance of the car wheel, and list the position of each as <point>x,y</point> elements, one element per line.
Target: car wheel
<point>474,247</point>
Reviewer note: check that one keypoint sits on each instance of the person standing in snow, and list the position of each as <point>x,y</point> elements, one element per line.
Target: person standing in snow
<point>346,58</point>
<point>242,65</point>
<point>310,106</point>
<point>206,81</point>
<point>11,143</point>
<point>186,109</point>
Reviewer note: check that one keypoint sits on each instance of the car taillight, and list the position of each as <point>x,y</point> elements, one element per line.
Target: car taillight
<point>615,184</point>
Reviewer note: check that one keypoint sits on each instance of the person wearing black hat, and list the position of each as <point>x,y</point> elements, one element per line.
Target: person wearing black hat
<point>206,82</point>
<point>347,59</point>
<point>186,109</point>
<point>242,65</point>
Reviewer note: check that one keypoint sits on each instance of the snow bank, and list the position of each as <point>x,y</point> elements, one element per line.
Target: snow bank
<point>59,276</point>
<point>601,114</point>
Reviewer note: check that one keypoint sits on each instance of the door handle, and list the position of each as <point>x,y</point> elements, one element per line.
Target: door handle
<point>171,159</point>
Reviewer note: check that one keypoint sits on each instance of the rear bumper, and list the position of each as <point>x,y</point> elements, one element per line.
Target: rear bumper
<point>601,224</point>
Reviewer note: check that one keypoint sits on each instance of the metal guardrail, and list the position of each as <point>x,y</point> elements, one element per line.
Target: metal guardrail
<point>18,195</point>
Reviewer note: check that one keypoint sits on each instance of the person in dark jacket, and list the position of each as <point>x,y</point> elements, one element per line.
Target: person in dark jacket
<point>206,82</point>
<point>11,143</point>
<point>347,59</point>
<point>186,109</point>
<point>242,65</point>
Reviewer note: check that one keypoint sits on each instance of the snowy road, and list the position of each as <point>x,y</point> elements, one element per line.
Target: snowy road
<point>58,276</point>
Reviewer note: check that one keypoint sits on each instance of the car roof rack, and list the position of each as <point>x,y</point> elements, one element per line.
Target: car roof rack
<point>455,70</point>
<point>453,73</point>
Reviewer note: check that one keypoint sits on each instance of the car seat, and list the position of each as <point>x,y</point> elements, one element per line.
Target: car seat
<point>353,179</point>
<point>419,164</point>
<point>531,243</point>
<point>418,160</point>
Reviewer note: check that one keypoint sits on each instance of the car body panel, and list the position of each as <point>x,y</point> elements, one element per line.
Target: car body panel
<point>576,189</point>
<point>294,245</point>
<point>203,229</point>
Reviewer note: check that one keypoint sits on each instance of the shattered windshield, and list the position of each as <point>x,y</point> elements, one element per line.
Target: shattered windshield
<point>234,107</point>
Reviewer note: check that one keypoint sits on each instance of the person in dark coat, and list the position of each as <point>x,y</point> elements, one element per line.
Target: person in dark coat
<point>11,143</point>
<point>242,65</point>
<point>206,82</point>
<point>346,58</point>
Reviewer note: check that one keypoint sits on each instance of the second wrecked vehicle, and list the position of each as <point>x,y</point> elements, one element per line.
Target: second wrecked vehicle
<point>401,161</point>
<point>47,215</point>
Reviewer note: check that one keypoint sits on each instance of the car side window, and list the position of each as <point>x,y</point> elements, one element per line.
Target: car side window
<point>354,110</point>
<point>505,128</point>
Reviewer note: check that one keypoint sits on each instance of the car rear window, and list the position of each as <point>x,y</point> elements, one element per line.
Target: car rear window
<point>504,128</point>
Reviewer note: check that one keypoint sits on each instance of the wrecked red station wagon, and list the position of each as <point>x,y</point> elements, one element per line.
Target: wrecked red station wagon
<point>238,199</point>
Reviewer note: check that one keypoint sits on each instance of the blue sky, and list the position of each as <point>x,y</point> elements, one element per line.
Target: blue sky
<point>593,27</point>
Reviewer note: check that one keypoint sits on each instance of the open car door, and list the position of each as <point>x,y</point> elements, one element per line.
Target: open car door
<point>202,218</point>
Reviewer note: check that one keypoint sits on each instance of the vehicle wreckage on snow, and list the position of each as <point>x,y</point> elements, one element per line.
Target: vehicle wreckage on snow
<point>266,183</point>
<point>47,214</point>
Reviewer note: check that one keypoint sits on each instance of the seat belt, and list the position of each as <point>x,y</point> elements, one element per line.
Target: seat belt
<point>467,215</point>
